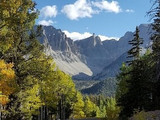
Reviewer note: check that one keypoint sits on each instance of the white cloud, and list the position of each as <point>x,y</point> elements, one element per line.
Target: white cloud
<point>129,11</point>
<point>49,11</point>
<point>45,22</point>
<point>80,9</point>
<point>80,36</point>
<point>108,6</point>
<point>107,38</point>
<point>77,35</point>
<point>84,8</point>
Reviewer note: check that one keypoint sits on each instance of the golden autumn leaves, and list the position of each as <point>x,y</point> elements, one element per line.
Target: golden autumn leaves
<point>6,81</point>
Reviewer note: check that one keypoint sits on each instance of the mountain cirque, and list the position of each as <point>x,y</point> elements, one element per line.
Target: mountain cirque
<point>89,58</point>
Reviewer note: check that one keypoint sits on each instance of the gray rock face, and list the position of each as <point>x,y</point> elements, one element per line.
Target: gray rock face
<point>89,57</point>
<point>64,52</point>
<point>58,40</point>
<point>120,51</point>
<point>94,52</point>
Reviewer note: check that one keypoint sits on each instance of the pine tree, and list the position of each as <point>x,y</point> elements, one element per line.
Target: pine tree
<point>134,52</point>
<point>154,13</point>
<point>122,78</point>
<point>137,94</point>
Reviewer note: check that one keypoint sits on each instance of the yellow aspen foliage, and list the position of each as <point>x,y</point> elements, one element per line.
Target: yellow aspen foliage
<point>78,107</point>
<point>6,81</point>
<point>30,101</point>
<point>3,99</point>
<point>58,83</point>
<point>112,110</point>
<point>89,107</point>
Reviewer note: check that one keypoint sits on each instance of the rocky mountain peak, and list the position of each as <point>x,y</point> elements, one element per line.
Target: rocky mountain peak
<point>90,42</point>
<point>90,56</point>
<point>95,40</point>
<point>58,40</point>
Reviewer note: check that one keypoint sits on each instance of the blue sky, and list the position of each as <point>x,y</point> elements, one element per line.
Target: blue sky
<point>80,18</point>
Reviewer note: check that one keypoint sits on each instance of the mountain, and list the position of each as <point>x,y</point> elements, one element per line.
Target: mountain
<point>84,84</point>
<point>106,87</point>
<point>112,69</point>
<point>64,51</point>
<point>89,58</point>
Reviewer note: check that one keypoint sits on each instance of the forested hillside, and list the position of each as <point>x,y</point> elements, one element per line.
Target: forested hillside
<point>106,88</point>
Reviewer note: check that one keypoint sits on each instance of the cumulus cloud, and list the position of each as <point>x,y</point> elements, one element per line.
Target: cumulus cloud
<point>45,22</point>
<point>80,9</point>
<point>80,36</point>
<point>49,11</point>
<point>108,6</point>
<point>84,8</point>
<point>129,11</point>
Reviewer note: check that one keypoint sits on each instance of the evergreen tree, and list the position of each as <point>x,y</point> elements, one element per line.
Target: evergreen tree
<point>137,94</point>
<point>122,78</point>
<point>154,13</point>
<point>134,52</point>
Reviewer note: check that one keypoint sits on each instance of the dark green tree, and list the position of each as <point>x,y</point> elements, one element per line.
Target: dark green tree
<point>136,92</point>
<point>154,13</point>
<point>122,78</point>
<point>134,52</point>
